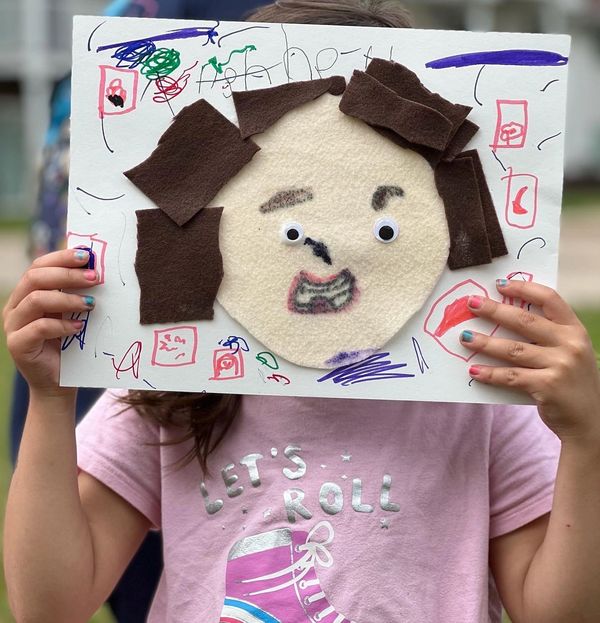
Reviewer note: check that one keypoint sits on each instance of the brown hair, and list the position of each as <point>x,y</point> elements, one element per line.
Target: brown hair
<point>386,13</point>
<point>206,418</point>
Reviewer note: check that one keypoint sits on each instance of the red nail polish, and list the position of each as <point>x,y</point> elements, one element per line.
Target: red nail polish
<point>474,370</point>
<point>475,302</point>
<point>90,275</point>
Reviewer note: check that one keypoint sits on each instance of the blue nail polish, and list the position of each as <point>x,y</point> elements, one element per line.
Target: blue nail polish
<point>466,336</point>
<point>89,301</point>
<point>502,283</point>
<point>81,255</point>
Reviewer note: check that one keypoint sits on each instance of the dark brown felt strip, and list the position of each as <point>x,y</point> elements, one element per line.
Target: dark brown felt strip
<point>464,134</point>
<point>179,269</point>
<point>258,110</point>
<point>197,155</point>
<point>494,231</point>
<point>457,185</point>
<point>407,84</point>
<point>367,99</point>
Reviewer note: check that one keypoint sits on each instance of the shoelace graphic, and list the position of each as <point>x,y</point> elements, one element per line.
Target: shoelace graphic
<point>316,552</point>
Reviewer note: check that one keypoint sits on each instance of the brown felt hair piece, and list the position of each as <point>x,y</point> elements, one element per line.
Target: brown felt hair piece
<point>179,268</point>
<point>370,101</point>
<point>492,224</point>
<point>407,84</point>
<point>457,185</point>
<point>258,110</point>
<point>197,155</point>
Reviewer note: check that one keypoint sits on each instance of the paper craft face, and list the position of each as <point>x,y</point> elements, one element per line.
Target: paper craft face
<point>333,211</point>
<point>332,237</point>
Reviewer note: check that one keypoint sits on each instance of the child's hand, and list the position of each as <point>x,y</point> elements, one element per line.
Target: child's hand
<point>33,315</point>
<point>557,366</point>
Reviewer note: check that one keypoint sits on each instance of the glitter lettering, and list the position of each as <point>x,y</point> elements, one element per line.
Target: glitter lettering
<point>293,504</point>
<point>250,463</point>
<point>291,453</point>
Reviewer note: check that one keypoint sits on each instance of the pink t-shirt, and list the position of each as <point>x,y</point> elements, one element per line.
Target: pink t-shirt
<point>331,510</point>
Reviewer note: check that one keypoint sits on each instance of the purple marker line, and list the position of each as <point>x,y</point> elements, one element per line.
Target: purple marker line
<point>183,33</point>
<point>524,58</point>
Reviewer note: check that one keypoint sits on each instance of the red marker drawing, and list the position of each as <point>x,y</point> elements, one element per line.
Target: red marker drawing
<point>517,207</point>
<point>279,378</point>
<point>130,361</point>
<point>227,365</point>
<point>521,199</point>
<point>454,314</point>
<point>118,90</point>
<point>512,124</point>
<point>449,315</point>
<point>175,347</point>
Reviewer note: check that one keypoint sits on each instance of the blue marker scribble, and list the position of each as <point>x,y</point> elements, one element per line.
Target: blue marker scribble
<point>80,335</point>
<point>133,54</point>
<point>374,368</point>
<point>524,58</point>
<point>235,343</point>
<point>183,33</point>
<point>422,363</point>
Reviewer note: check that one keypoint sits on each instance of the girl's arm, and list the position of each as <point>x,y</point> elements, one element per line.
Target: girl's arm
<point>67,539</point>
<point>548,571</point>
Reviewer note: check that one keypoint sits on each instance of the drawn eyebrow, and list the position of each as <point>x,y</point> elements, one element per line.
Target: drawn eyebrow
<point>287,199</point>
<point>383,194</point>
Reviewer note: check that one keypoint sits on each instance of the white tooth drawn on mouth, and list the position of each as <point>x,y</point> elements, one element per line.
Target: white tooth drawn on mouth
<point>310,294</point>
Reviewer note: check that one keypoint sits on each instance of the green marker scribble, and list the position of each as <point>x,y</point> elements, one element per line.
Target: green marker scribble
<point>268,359</point>
<point>218,67</point>
<point>162,63</point>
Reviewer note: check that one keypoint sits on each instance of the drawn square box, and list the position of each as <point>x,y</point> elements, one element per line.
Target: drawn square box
<point>521,206</point>
<point>512,124</point>
<point>175,347</point>
<point>117,93</point>
<point>227,365</point>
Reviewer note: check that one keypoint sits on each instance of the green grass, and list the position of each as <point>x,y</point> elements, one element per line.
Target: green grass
<point>581,197</point>
<point>591,318</point>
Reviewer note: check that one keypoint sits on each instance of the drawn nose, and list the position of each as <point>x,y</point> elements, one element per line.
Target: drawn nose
<point>319,249</point>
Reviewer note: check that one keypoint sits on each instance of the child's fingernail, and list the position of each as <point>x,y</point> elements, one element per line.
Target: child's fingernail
<point>77,324</point>
<point>475,302</point>
<point>90,275</point>
<point>474,370</point>
<point>502,283</point>
<point>466,336</point>
<point>81,255</point>
<point>89,301</point>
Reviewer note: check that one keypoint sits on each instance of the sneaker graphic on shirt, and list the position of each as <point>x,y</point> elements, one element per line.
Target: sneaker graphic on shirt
<point>271,578</point>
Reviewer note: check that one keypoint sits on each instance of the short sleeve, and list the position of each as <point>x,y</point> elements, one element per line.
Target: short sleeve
<point>119,448</point>
<point>524,456</point>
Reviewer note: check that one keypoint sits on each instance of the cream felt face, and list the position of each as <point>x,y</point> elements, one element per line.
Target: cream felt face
<point>332,237</point>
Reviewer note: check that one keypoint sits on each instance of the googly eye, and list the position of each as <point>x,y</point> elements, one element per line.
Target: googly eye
<point>386,230</point>
<point>292,233</point>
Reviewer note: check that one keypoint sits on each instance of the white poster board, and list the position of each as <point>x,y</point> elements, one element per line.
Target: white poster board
<point>516,84</point>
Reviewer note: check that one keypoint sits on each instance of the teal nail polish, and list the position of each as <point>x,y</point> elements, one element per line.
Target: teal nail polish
<point>466,336</point>
<point>89,301</point>
<point>81,255</point>
<point>502,283</point>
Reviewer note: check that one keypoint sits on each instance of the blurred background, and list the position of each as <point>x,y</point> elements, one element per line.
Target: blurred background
<point>35,40</point>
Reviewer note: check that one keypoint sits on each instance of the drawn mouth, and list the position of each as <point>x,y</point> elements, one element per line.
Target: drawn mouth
<point>310,294</point>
